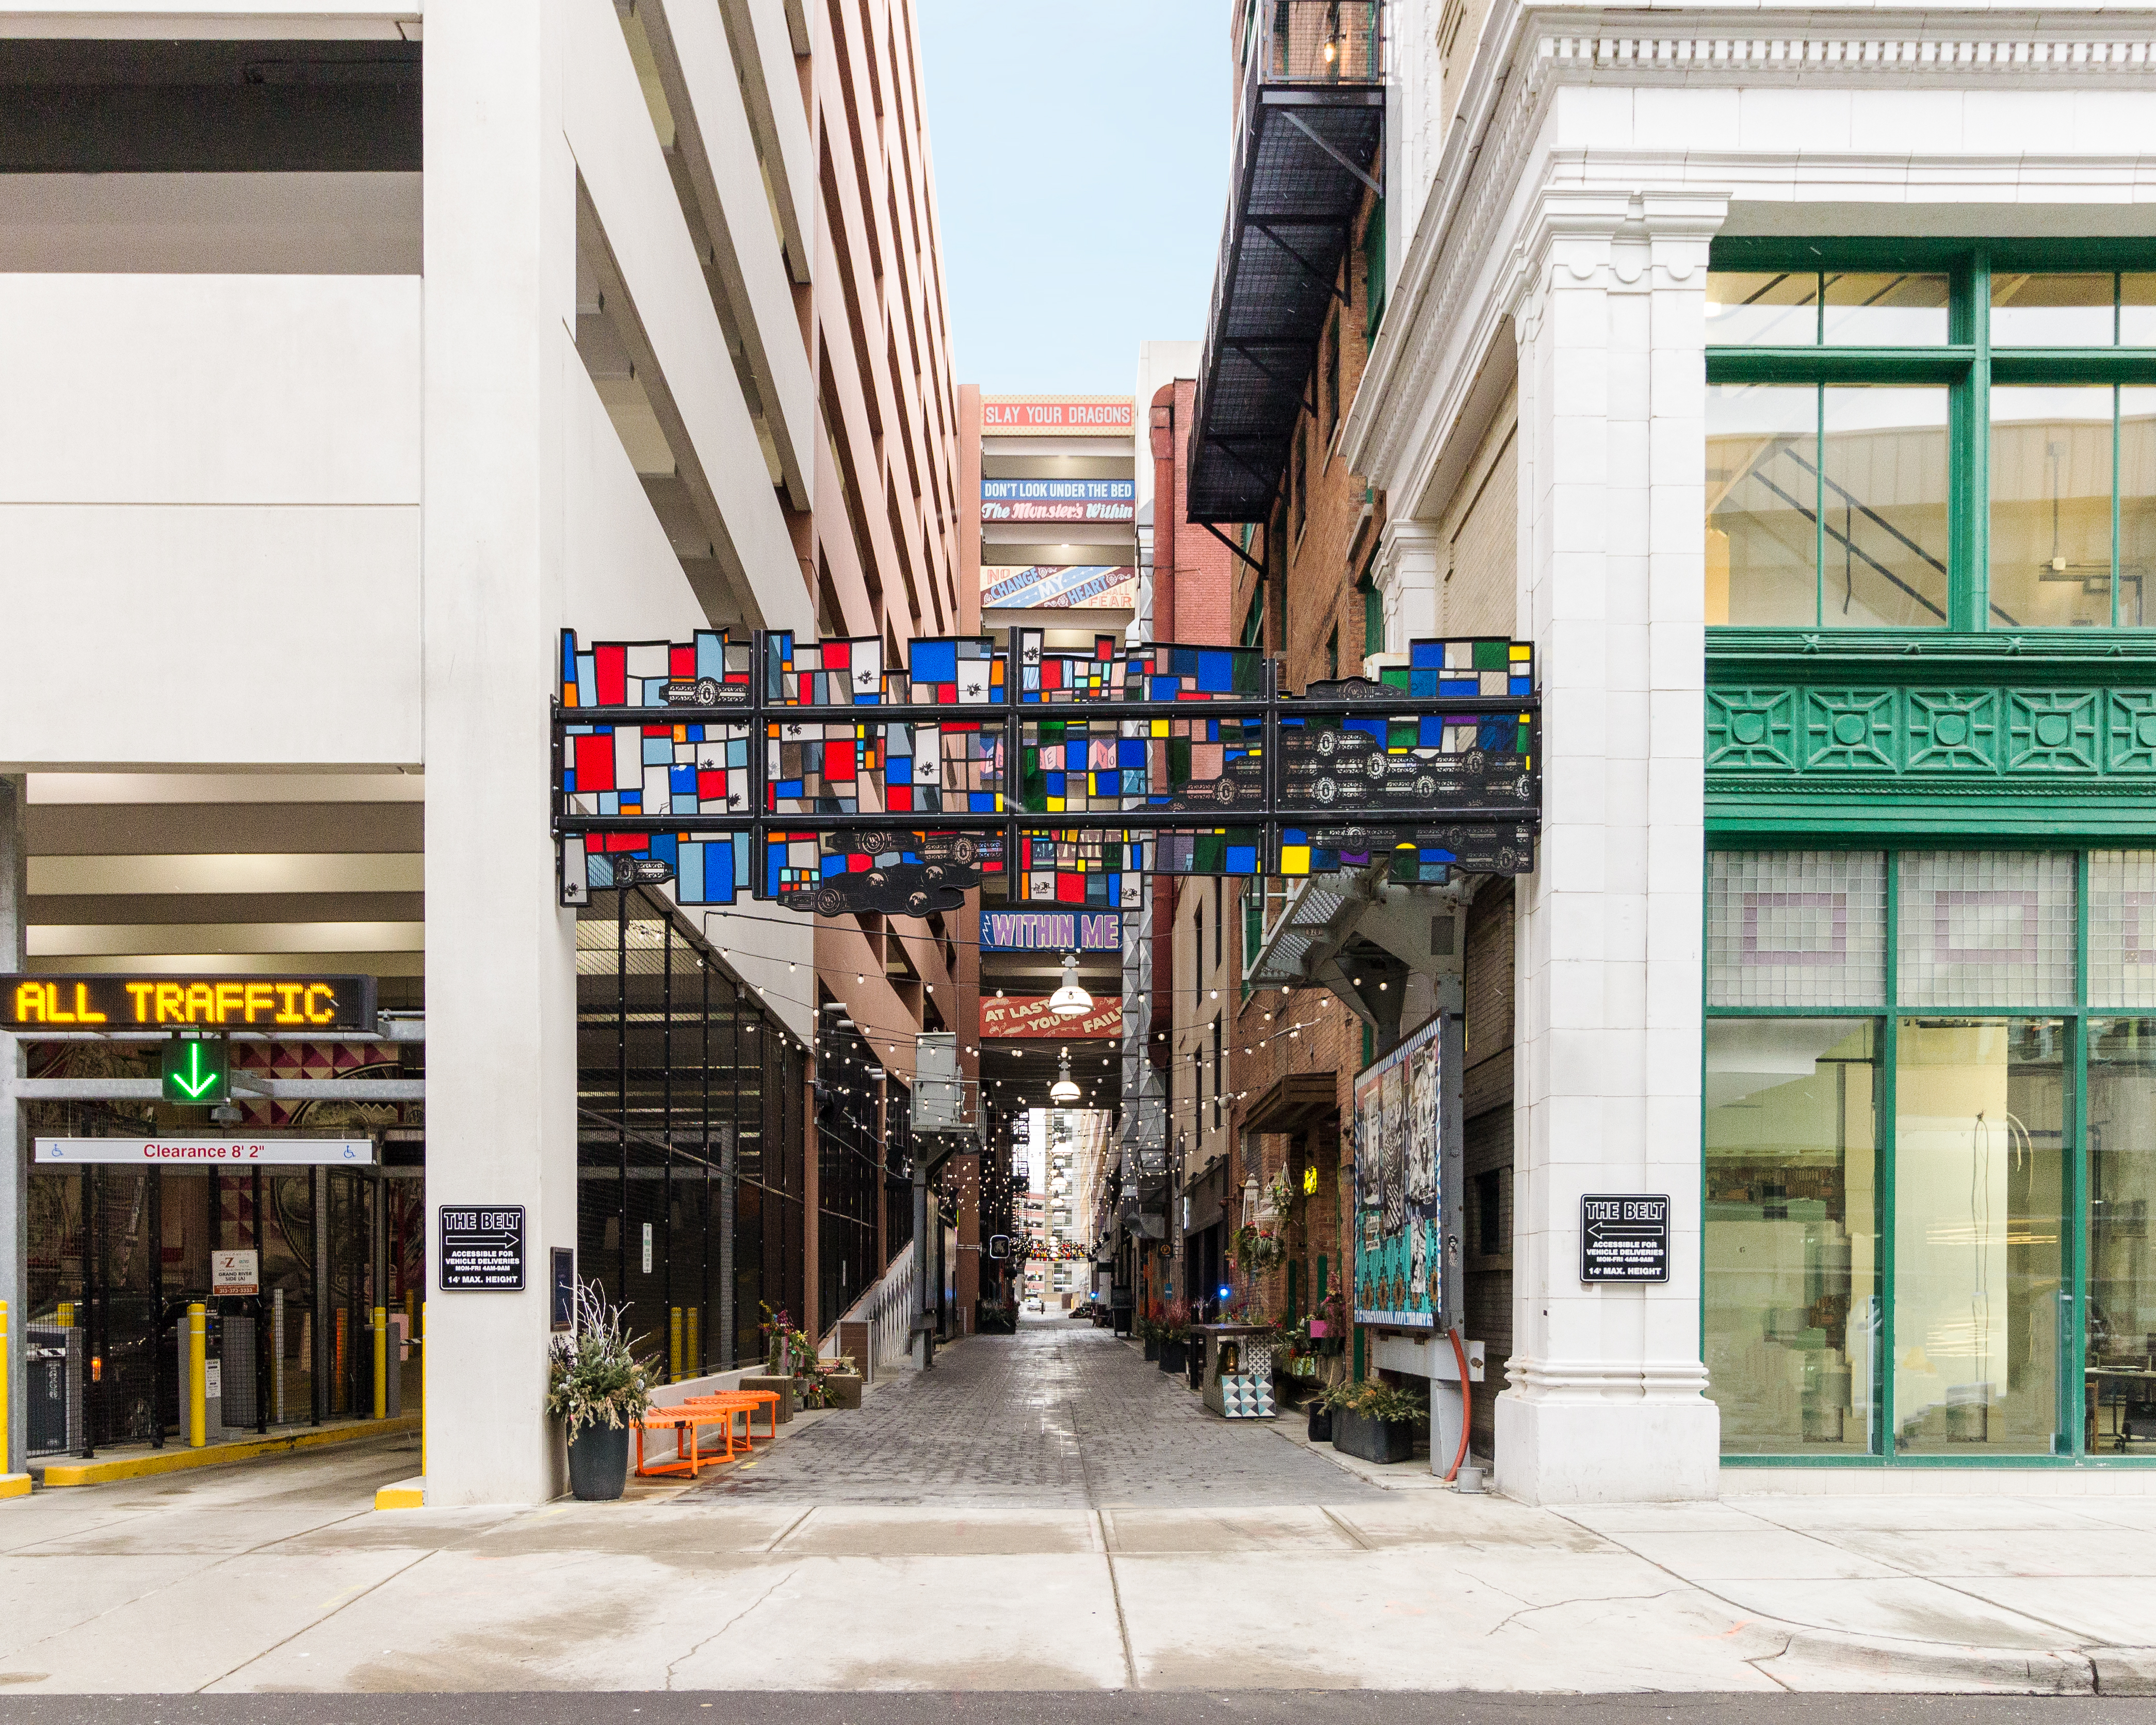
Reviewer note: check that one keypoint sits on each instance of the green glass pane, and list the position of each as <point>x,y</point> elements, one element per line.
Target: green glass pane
<point>1978,1185</point>
<point>1762,490</point>
<point>1885,310</point>
<point>2051,507</point>
<point>1792,1234</point>
<point>1775,309</point>
<point>1886,492</point>
<point>2051,310</point>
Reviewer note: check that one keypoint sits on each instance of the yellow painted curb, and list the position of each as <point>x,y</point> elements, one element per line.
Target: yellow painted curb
<point>14,1485</point>
<point>405,1494</point>
<point>145,1465</point>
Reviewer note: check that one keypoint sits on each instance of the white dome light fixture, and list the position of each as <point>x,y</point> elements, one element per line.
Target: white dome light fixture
<point>1065,1090</point>
<point>1070,1001</point>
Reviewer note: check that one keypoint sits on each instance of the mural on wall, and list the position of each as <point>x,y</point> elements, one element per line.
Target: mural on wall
<point>1399,1183</point>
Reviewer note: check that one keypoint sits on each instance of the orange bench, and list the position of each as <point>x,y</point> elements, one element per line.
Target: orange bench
<point>688,1456</point>
<point>728,1403</point>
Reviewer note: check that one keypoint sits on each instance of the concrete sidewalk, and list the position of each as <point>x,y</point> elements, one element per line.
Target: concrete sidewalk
<point>280,1577</point>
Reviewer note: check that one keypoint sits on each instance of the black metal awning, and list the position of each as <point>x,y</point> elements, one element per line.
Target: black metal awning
<point>1312,115</point>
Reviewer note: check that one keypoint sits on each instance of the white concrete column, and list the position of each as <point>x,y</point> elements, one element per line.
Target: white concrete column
<point>501,1050</point>
<point>1604,1400</point>
<point>1410,568</point>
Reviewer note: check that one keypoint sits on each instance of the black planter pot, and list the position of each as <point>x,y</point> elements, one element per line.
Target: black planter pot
<point>598,1463</point>
<point>1152,1350</point>
<point>1320,1423</point>
<point>1194,1351</point>
<point>1373,1440</point>
<point>1172,1356</point>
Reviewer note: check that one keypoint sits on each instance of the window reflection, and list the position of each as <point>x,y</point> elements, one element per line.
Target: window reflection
<point>1791,1236</point>
<point>1886,508</point>
<point>1762,521</point>
<point>2119,1391</point>
<point>1978,1182</point>
<point>1892,310</point>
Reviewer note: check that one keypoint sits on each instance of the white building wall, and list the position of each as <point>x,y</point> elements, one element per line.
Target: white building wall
<point>1567,221</point>
<point>204,479</point>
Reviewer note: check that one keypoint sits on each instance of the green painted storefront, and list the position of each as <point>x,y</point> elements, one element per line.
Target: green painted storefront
<point>1929,1067</point>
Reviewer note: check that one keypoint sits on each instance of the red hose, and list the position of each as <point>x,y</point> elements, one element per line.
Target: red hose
<point>1466,1403</point>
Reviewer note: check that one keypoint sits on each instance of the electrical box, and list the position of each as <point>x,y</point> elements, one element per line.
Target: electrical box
<point>939,1093</point>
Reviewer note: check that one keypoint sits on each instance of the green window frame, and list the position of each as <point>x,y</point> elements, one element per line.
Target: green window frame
<point>1967,364</point>
<point>2077,1020</point>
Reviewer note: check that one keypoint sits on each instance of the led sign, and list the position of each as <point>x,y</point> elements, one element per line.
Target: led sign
<point>119,1002</point>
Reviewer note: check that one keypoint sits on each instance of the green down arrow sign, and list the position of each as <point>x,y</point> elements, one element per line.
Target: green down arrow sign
<point>194,1070</point>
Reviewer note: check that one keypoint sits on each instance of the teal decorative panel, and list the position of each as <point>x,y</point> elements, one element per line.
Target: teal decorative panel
<point>1877,733</point>
<point>1852,730</point>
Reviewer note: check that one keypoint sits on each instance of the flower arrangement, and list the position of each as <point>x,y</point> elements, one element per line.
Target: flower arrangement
<point>1282,1194</point>
<point>593,1377</point>
<point>1259,1249</point>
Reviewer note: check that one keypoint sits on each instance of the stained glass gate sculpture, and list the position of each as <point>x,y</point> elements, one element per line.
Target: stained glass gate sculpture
<point>812,774</point>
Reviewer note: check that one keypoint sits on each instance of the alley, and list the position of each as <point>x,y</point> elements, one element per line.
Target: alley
<point>1060,1415</point>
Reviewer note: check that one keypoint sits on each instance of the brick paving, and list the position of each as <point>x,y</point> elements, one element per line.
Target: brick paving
<point>1060,1416</point>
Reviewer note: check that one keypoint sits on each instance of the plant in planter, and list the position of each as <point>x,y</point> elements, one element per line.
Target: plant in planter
<point>1258,1249</point>
<point>778,1333</point>
<point>1174,1343</point>
<point>1330,1320</point>
<point>1375,1420</point>
<point>598,1388</point>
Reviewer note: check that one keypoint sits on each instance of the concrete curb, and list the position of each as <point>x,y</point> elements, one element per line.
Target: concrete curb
<point>1819,1659</point>
<point>2124,1671</point>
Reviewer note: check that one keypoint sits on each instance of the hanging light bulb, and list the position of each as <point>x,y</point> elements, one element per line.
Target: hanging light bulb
<point>1070,1001</point>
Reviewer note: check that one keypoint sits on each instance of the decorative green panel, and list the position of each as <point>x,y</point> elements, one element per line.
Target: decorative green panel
<point>1875,731</point>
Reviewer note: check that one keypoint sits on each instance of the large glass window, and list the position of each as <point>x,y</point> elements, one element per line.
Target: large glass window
<point>1978,1182</point>
<point>1969,448</point>
<point>1792,1232</point>
<point>1929,1093</point>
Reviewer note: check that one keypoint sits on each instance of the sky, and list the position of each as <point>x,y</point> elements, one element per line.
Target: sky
<point>1081,178</point>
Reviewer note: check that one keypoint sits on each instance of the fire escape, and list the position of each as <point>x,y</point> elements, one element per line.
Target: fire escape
<point>1309,119</point>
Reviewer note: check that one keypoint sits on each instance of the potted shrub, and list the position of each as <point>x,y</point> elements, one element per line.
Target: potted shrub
<point>1150,1329</point>
<point>598,1388</point>
<point>1174,1345</point>
<point>1375,1419</point>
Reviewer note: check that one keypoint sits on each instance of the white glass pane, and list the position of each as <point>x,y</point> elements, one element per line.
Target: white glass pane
<point>1762,504</point>
<point>2050,310</point>
<point>2122,929</point>
<point>1777,309</point>
<point>1796,928</point>
<point>1885,310</point>
<point>1986,928</point>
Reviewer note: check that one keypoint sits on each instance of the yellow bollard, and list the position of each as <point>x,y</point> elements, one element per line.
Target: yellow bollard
<point>674,1345</point>
<point>198,1375</point>
<point>696,1354</point>
<point>65,1317</point>
<point>381,1362</point>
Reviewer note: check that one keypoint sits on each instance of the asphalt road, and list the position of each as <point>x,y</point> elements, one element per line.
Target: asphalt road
<point>1290,1707</point>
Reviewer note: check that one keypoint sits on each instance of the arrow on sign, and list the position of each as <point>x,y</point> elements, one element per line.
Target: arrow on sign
<point>194,1081</point>
<point>1624,1230</point>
